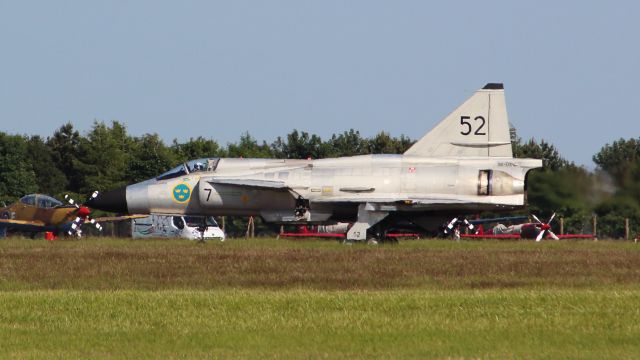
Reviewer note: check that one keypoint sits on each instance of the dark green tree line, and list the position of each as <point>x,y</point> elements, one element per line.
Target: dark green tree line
<point>619,174</point>
<point>107,157</point>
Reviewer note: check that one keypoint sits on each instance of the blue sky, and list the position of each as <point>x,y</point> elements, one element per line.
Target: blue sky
<point>218,69</point>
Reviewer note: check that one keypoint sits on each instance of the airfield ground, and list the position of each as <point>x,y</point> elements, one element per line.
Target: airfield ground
<point>98,298</point>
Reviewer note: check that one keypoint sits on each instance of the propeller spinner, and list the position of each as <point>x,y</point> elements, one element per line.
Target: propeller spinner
<point>545,228</point>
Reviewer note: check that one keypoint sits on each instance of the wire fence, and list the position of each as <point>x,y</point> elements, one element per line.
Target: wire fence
<point>603,227</point>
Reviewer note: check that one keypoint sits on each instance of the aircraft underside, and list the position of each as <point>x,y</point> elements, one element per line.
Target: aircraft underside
<point>372,220</point>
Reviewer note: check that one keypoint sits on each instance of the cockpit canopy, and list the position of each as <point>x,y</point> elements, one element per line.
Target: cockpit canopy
<point>40,200</point>
<point>204,164</point>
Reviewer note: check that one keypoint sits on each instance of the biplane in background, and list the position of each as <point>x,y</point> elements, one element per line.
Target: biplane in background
<point>38,213</point>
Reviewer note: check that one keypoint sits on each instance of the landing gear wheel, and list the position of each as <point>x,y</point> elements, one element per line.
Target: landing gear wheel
<point>347,242</point>
<point>376,235</point>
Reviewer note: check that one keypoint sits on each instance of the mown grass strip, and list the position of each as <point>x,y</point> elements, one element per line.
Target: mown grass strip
<point>313,324</point>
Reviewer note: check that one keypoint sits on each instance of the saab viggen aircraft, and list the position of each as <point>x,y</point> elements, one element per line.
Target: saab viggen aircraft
<point>463,165</point>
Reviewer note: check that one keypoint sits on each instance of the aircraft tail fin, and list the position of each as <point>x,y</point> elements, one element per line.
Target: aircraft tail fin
<point>477,128</point>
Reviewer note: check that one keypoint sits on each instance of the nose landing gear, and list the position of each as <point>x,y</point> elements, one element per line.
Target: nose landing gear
<point>302,208</point>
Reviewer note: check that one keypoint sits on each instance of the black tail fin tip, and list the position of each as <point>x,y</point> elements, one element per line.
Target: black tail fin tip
<point>494,86</point>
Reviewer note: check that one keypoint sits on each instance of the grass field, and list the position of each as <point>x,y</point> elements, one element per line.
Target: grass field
<point>107,298</point>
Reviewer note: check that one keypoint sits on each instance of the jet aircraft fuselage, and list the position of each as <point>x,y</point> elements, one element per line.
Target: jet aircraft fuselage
<point>464,165</point>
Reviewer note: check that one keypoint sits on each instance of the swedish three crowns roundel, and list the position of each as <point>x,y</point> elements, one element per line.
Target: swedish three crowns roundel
<point>181,193</point>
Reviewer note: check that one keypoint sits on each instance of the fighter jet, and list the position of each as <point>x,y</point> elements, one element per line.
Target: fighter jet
<point>463,165</point>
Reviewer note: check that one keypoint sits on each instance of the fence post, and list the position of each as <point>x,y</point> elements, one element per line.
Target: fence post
<point>561,225</point>
<point>223,224</point>
<point>249,233</point>
<point>595,227</point>
<point>626,228</point>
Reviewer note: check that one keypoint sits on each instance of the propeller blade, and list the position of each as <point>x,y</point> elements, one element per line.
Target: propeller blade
<point>75,226</point>
<point>469,225</point>
<point>553,236</point>
<point>450,225</point>
<point>536,218</point>
<point>70,200</point>
<point>551,219</point>
<point>95,223</point>
<point>82,216</point>
<point>540,235</point>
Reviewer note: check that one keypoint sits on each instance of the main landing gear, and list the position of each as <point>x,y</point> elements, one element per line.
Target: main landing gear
<point>368,227</point>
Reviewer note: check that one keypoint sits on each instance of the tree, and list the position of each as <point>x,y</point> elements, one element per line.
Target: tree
<point>103,157</point>
<point>349,143</point>
<point>551,159</point>
<point>612,212</point>
<point>16,171</point>
<point>620,159</point>
<point>195,149</point>
<point>621,162</point>
<point>248,147</point>
<point>50,179</point>
<point>149,157</point>
<point>64,145</point>
<point>383,143</point>
<point>299,146</point>
<point>569,192</point>
<point>559,187</point>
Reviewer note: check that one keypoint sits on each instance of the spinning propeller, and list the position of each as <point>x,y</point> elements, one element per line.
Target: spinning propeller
<point>82,216</point>
<point>545,228</point>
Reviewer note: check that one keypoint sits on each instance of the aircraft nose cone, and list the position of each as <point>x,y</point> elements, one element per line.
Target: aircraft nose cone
<point>112,201</point>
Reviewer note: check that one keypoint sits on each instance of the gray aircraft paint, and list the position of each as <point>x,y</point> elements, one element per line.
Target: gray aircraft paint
<point>463,165</point>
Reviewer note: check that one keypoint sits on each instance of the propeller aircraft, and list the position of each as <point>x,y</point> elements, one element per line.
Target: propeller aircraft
<point>37,213</point>
<point>521,228</point>
<point>463,165</point>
